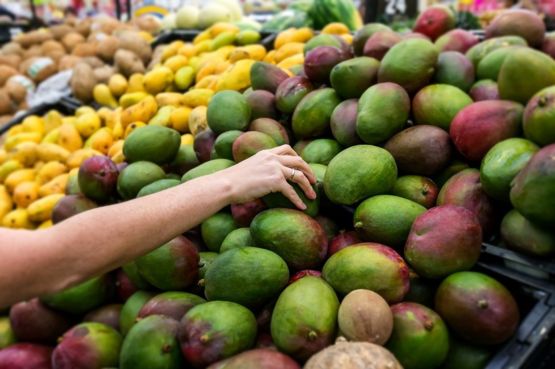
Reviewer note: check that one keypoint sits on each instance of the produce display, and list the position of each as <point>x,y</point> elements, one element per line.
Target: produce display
<point>424,145</point>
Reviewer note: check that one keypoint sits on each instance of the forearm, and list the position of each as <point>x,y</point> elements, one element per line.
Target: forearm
<point>102,239</point>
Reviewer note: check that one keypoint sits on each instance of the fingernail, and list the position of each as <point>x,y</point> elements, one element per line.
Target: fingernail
<point>303,206</point>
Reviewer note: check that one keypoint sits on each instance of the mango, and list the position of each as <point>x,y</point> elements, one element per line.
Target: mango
<point>435,21</point>
<point>207,168</point>
<point>490,65</point>
<point>6,203</point>
<point>216,330</point>
<point>80,298</point>
<point>414,75</point>
<point>142,111</point>
<point>170,304</point>
<point>419,189</point>
<point>321,151</point>
<point>522,235</point>
<point>17,219</point>
<point>218,113</point>
<point>265,76</point>
<point>97,178</point>
<point>341,240</point>
<point>538,123</point>
<point>215,229</point>
<point>249,143</point>
<point>364,33</point>
<point>131,98</point>
<point>25,153</point>
<point>272,128</point>
<point>137,175</point>
<point>23,355</point>
<point>312,115</point>
<point>278,200</point>
<point>472,303</point>
<point>293,235</point>
<point>103,95</point>
<point>352,77</point>
<point>25,193</point>
<point>438,104</point>
<point>343,123</point>
<point>259,358</point>
<point>463,355</point>
<point>479,126</point>
<point>117,85</point>
<point>290,92</point>
<point>100,141</point>
<point>160,185</point>
<point>379,44</point>
<point>236,77</point>
<point>520,22</point>
<point>323,40</point>
<point>107,315</point>
<point>262,104</point>
<point>477,52</point>
<point>8,167</point>
<point>204,145</point>
<point>157,80</point>
<point>240,237</point>
<point>41,210</point>
<point>131,308</point>
<point>304,318</point>
<point>244,213</point>
<point>484,90</point>
<point>420,339</point>
<point>456,40</point>
<point>455,69</point>
<point>7,337</point>
<point>320,61</point>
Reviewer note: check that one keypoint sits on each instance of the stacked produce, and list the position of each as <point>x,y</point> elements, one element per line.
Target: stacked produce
<point>421,150</point>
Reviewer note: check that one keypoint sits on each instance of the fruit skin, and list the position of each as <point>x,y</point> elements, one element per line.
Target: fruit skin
<point>107,315</point>
<point>98,178</point>
<point>130,310</point>
<point>265,76</point>
<point>32,321</point>
<point>228,110</point>
<point>293,235</point>
<point>502,163</point>
<point>444,240</point>
<point>490,65</point>
<point>365,316</point>
<point>278,200</point>
<point>419,189</point>
<point>7,336</point>
<point>260,358</point>
<point>364,33</point>
<point>216,330</point>
<point>379,44</point>
<point>243,214</point>
<point>367,354</point>
<point>86,346</point>
<point>479,126</point>
<point>160,185</point>
<point>359,172</point>
<point>370,266</point>
<point>422,150</point>
<point>249,276</point>
<point>136,176</point>
<point>237,238</point>
<point>206,259</point>
<point>215,229</point>
<point>71,205</point>
<point>151,343</point>
<point>24,356</point>
<point>477,307</point>
<point>343,123</point>
<point>420,339</point>
<point>224,143</point>
<point>352,77</point>
<point>207,168</point>
<point>533,189</point>
<point>172,266</point>
<point>249,143</point>
<point>204,145</point>
<point>477,52</point>
<point>321,151</point>
<point>519,234</point>
<point>80,298</point>
<point>456,40</point>
<point>291,91</point>
<point>525,72</point>
<point>262,104</point>
<point>383,110</point>
<point>170,304</point>
<point>435,21</point>
<point>548,45</point>
<point>455,69</point>
<point>312,115</point>
<point>342,240</point>
<point>524,23</point>
<point>463,355</point>
<point>304,273</point>
<point>438,104</point>
<point>386,219</point>
<point>304,317</point>
<point>539,117</point>
<point>411,76</point>
<point>272,128</point>
<point>484,90</point>
<point>320,61</point>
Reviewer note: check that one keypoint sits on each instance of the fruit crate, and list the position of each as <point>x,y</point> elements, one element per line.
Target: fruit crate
<point>533,345</point>
<point>267,38</point>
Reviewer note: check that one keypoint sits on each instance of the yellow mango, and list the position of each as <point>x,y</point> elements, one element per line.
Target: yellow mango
<point>141,112</point>
<point>41,209</point>
<point>6,203</point>
<point>103,96</point>
<point>106,116</point>
<point>3,155</point>
<point>197,120</point>
<point>9,167</point>
<point>118,130</point>
<point>131,127</point>
<point>52,136</point>
<point>87,124</point>
<point>14,130</point>
<point>18,176</point>
<point>288,50</point>
<point>184,77</point>
<point>49,171</point>
<point>116,146</point>
<point>158,79</point>
<point>100,141</point>
<point>236,78</point>
<point>187,50</point>
<point>162,117</point>
<point>197,97</point>
<point>51,152</point>
<point>79,156</point>
<point>33,124</point>
<point>117,84</point>
<point>348,38</point>
<point>187,139</point>
<point>17,219</point>
<point>179,119</point>
<point>70,120</point>
<point>176,62</point>
<point>304,34</point>
<point>203,47</point>
<point>46,224</point>
<point>171,49</point>
<point>135,83</point>
<point>118,157</point>
<point>292,61</point>
<point>38,165</point>
<point>52,120</point>
<point>208,82</point>
<point>201,37</point>
<point>239,54</point>
<point>169,98</point>
<point>131,98</point>
<point>84,110</point>
<point>224,52</point>
<point>223,39</point>
<point>13,141</point>
<point>256,52</point>
<point>25,193</point>
<point>269,57</point>
<point>221,27</point>
<point>25,153</point>
<point>335,28</point>
<point>55,185</point>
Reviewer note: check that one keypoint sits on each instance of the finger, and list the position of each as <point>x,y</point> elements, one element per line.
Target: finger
<point>288,191</point>
<point>300,179</point>
<point>284,150</point>
<point>297,162</point>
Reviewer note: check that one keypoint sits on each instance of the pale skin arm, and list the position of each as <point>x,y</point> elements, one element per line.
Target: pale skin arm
<point>34,263</point>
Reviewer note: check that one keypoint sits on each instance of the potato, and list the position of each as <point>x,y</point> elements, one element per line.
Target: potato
<point>106,47</point>
<point>353,355</point>
<point>85,49</point>
<point>106,25</point>
<point>132,41</point>
<point>103,74</point>
<point>82,82</point>
<point>7,106</point>
<point>56,55</point>
<point>68,62</point>
<point>5,73</point>
<point>61,30</point>
<point>12,48</point>
<point>147,23</point>
<point>3,120</point>
<point>84,26</point>
<point>11,60</point>
<point>128,63</point>
<point>41,69</point>
<point>33,38</point>
<point>18,86</point>
<point>26,64</point>
<point>33,51</point>
<point>51,45</point>
<point>93,61</point>
<point>71,40</point>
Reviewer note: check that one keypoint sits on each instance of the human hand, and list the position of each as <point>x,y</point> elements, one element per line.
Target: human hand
<point>269,171</point>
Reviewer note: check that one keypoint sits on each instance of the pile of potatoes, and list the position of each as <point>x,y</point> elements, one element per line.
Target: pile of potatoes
<point>95,48</point>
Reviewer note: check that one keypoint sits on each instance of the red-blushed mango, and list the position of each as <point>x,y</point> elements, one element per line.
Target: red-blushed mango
<point>383,110</point>
<point>224,143</point>
<point>131,308</point>
<point>548,45</point>
<point>370,266</point>
<point>364,33</point>
<point>107,315</point>
<point>249,143</point>
<point>457,40</point>
<point>97,178</point>
<point>352,77</point>
<point>379,44</point>
<point>435,21</point>
<point>319,62</point>
<point>311,117</point>
<point>520,22</point>
<point>262,104</point>
<point>422,150</point>
<point>25,356</point>
<point>272,128</point>
<point>419,189</point>
<point>414,75</point>
<point>173,304</point>
<point>410,35</point>
<point>520,234</point>
<point>81,298</point>
<point>266,76</point>
<point>444,240</point>
<point>342,240</point>
<point>291,91</point>
<point>243,214</point>
<point>481,125</point>
<point>304,273</point>
<point>539,117</point>
<point>438,104</point>
<point>260,358</point>
<point>420,339</point>
<point>464,189</point>
<point>454,68</point>
<point>204,144</point>
<point>484,90</point>
<point>477,307</point>
<point>343,122</point>
<point>71,205</point>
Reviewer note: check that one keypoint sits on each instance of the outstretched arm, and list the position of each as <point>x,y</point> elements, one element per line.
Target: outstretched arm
<point>33,263</point>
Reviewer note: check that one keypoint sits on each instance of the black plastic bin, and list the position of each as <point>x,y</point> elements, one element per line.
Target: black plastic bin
<point>166,37</point>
